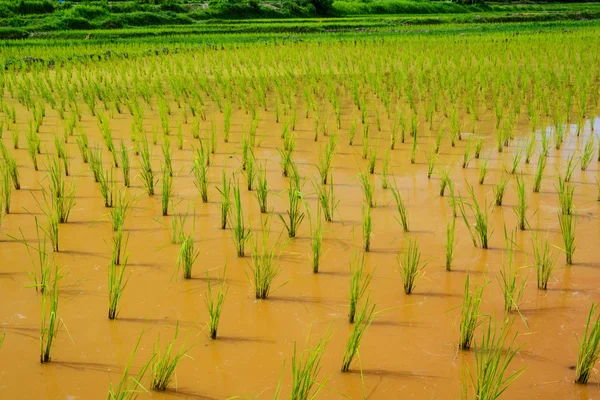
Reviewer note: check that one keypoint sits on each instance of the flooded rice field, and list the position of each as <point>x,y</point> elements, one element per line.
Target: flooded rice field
<point>409,350</point>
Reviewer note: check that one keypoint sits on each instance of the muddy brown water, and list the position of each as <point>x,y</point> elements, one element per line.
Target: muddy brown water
<point>410,350</point>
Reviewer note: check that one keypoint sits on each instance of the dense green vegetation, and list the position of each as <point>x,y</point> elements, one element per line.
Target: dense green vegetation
<point>23,18</point>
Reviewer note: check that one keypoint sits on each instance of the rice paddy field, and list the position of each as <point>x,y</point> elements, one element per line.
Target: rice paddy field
<point>368,216</point>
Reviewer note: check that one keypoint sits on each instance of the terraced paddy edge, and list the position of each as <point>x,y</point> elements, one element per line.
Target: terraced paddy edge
<point>506,98</point>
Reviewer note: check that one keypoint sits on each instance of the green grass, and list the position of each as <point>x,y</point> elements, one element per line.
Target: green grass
<point>164,363</point>
<point>410,265</point>
<point>359,283</point>
<point>362,322</point>
<point>482,231</point>
<point>469,315</point>
<point>116,285</point>
<point>214,305</point>
<point>539,173</point>
<point>516,161</point>
<point>119,245</point>
<point>570,167</point>
<point>431,159</point>
<point>107,186</point>
<point>444,179</point>
<point>530,148</point>
<point>178,227</point>
<point>589,347</point>
<point>327,201</point>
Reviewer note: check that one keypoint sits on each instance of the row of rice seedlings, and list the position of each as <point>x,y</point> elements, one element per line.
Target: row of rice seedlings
<point>367,227</point>
<point>240,233</point>
<point>467,153</point>
<point>33,147</point>
<point>431,159</point>
<point>50,323</point>
<point>95,158</point>
<point>326,158</point>
<point>521,208</point>
<point>402,216</point>
<point>305,371</point>
<point>444,179</point>
<point>5,190</point>
<point>200,171</point>
<point>413,150</point>
<point>61,152</point>
<point>167,189</point>
<point>368,189</point>
<point>410,265</point>
<point>129,387</point>
<point>469,315</point>
<point>385,169</point>
<point>116,286</point>
<point>492,362</point>
<point>125,165</point>
<point>438,140</point>
<point>11,165</point>
<point>359,283</point>
<point>225,199</point>
<point>362,321</point>
<point>294,215</point>
<point>453,200</point>
<point>214,304</point>
<point>588,153</point>
<point>188,255</point>
<point>539,173</point>
<point>450,231</point>
<point>264,267</point>
<point>483,169</point>
<point>530,148</point>
<point>178,227</point>
<point>262,189</point>
<point>119,245</point>
<point>482,228</point>
<point>147,174</point>
<point>327,201</point>
<point>543,261</point>
<point>565,196</point>
<point>570,167</point>
<point>166,151</point>
<point>512,288</point>
<point>589,347</point>
<point>499,190</point>
<point>478,146</point>
<point>316,240</point>
<point>251,170</point>
<point>163,363</point>
<point>567,223</point>
<point>516,161</point>
<point>107,187</point>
